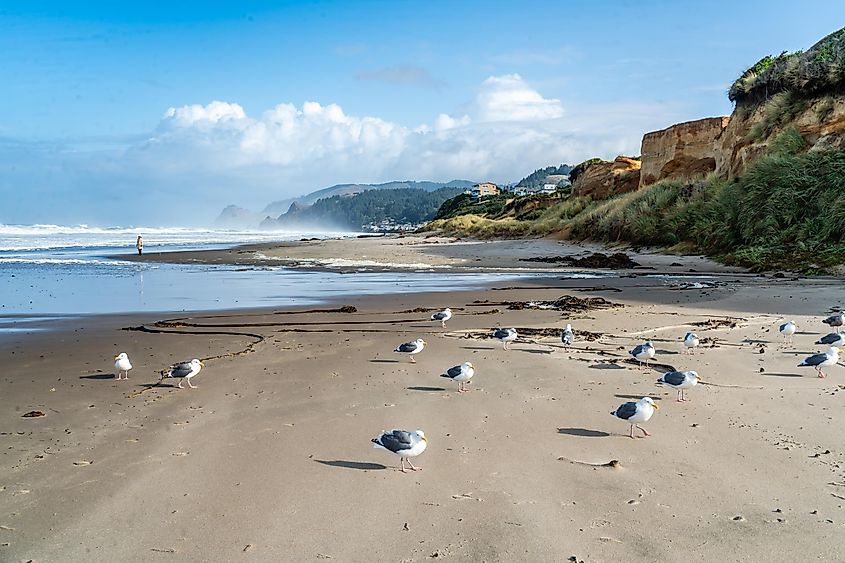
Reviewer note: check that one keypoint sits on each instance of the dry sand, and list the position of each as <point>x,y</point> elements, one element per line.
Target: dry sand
<point>270,458</point>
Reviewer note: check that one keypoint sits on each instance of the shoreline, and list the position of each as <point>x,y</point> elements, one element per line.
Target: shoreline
<point>432,253</point>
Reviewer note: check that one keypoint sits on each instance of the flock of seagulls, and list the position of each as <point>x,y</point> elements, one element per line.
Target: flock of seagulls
<point>408,444</point>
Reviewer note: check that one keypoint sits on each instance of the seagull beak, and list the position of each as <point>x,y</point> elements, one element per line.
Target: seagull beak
<point>116,357</point>
<point>202,364</point>
<point>656,407</point>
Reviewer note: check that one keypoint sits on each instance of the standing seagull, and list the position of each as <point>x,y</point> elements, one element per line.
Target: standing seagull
<point>787,329</point>
<point>121,364</point>
<point>403,443</point>
<point>442,316</point>
<point>680,380</point>
<point>835,320</point>
<point>643,353</point>
<point>506,335</point>
<point>462,374</point>
<point>829,358</point>
<point>184,371</point>
<point>567,336</point>
<point>411,348</point>
<point>635,413</point>
<point>691,342</point>
<point>832,339</point>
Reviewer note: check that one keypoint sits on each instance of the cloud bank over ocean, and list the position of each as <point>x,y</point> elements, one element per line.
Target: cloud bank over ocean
<point>200,157</point>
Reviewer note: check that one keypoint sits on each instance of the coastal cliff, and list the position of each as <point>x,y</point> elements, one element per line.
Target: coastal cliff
<point>681,152</point>
<point>601,179</point>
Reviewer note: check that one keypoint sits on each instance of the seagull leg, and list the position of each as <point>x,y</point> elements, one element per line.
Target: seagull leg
<point>413,361</point>
<point>821,373</point>
<point>414,468</point>
<point>443,324</point>
<point>189,383</point>
<point>680,395</point>
<point>632,431</point>
<point>644,430</point>
<point>402,464</point>
<point>180,384</point>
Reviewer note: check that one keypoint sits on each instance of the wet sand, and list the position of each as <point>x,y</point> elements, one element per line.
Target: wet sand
<point>269,459</point>
<point>415,253</point>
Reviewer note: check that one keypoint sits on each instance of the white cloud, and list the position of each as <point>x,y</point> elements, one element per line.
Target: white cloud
<point>510,98</point>
<point>215,112</point>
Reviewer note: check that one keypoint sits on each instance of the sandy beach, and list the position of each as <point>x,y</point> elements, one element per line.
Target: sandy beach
<point>270,459</point>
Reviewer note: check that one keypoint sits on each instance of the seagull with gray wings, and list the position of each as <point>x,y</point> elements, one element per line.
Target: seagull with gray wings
<point>680,380</point>
<point>402,443</point>
<point>636,412</point>
<point>184,371</point>
<point>442,316</point>
<point>818,361</point>
<point>411,348</point>
<point>462,374</point>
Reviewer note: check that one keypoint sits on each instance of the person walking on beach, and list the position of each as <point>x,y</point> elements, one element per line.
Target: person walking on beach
<point>139,244</point>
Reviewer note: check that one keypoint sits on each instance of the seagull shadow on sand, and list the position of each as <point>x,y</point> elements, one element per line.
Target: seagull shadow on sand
<point>384,361</point>
<point>429,389</point>
<point>99,376</point>
<point>606,366</point>
<point>359,465</point>
<point>157,384</point>
<point>659,368</point>
<point>583,432</point>
<point>784,374</point>
<point>634,397</point>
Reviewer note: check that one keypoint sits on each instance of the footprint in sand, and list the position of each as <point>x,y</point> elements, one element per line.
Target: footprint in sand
<point>82,462</point>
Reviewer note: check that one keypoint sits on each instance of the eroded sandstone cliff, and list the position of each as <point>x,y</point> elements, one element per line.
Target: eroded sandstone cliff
<point>601,179</point>
<point>681,152</point>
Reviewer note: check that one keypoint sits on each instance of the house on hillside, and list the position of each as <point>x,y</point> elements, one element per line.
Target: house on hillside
<point>484,189</point>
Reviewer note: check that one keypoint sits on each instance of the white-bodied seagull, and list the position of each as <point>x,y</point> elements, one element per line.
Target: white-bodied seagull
<point>680,380</point>
<point>462,374</point>
<point>411,348</point>
<point>402,443</point>
<point>634,413</point>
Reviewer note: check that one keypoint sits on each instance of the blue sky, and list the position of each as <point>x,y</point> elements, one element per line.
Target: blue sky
<point>399,90</point>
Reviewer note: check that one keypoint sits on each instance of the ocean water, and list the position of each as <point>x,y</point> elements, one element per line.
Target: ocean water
<point>49,270</point>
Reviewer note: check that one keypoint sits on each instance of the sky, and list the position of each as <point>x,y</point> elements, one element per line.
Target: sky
<point>161,113</point>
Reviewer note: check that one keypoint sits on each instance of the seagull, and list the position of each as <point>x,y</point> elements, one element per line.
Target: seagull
<point>787,329</point>
<point>567,336</point>
<point>184,371</point>
<point>691,341</point>
<point>411,348</point>
<point>121,364</point>
<point>506,335</point>
<point>835,320</point>
<point>462,374</point>
<point>643,352</point>
<point>635,413</point>
<point>829,358</point>
<point>442,316</point>
<point>403,443</point>
<point>680,380</point>
<point>833,339</point>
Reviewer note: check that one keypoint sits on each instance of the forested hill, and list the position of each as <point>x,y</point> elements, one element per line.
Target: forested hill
<point>405,205</point>
<point>538,177</point>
